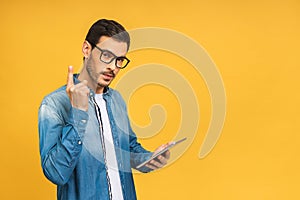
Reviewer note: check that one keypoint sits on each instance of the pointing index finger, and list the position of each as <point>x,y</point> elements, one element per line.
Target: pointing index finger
<point>70,82</point>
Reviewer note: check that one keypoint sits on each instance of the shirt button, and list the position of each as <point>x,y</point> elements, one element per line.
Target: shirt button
<point>79,142</point>
<point>83,121</point>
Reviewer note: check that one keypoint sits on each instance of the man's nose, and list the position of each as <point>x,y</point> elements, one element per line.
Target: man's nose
<point>112,65</point>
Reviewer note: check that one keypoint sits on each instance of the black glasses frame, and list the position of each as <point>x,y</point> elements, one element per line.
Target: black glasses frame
<point>116,58</point>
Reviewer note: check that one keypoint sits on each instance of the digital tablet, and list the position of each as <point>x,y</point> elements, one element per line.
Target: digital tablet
<point>172,144</point>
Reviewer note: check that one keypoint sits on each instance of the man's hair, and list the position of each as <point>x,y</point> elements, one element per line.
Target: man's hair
<point>109,28</point>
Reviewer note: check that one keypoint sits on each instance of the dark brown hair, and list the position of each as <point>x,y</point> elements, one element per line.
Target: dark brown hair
<point>109,28</point>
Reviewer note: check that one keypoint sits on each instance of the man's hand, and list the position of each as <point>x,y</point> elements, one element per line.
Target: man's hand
<point>79,93</point>
<point>161,160</point>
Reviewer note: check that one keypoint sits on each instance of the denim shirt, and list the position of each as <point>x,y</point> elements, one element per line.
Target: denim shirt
<point>71,148</point>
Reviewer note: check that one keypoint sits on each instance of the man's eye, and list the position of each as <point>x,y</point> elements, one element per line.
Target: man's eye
<point>120,59</point>
<point>107,55</point>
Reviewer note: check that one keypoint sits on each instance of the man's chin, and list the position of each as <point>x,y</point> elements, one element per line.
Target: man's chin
<point>103,85</point>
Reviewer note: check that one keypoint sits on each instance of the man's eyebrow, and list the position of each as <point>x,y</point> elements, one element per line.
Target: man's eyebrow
<point>113,53</point>
<point>109,52</point>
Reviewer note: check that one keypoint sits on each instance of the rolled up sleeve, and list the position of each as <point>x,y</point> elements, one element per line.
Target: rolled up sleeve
<point>60,142</point>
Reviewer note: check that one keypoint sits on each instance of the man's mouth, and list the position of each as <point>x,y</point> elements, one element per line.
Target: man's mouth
<point>108,75</point>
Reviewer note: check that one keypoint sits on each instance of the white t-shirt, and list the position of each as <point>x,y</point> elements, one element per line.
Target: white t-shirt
<point>112,165</point>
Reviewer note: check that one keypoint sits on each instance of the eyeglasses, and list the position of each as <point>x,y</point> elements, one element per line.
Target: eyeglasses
<point>107,57</point>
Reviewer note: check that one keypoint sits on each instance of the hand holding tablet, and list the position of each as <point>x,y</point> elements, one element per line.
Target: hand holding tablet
<point>162,151</point>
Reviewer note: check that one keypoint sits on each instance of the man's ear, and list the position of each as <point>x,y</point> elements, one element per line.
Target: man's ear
<point>86,49</point>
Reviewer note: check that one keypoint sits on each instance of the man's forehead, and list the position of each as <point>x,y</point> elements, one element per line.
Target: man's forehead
<point>113,45</point>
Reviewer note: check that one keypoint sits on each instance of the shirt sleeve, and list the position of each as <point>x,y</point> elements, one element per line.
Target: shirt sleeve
<point>60,141</point>
<point>138,154</point>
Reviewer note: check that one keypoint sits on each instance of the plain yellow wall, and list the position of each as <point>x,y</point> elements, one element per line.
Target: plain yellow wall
<point>255,45</point>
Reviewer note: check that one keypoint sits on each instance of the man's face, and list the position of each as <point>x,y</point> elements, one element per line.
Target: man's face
<point>100,73</point>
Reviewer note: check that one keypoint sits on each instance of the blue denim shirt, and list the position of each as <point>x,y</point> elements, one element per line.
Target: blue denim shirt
<point>71,148</point>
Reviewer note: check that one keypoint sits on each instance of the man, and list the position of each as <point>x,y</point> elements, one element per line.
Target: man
<point>87,145</point>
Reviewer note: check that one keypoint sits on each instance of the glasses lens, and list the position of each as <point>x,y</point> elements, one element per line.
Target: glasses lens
<point>121,62</point>
<point>107,56</point>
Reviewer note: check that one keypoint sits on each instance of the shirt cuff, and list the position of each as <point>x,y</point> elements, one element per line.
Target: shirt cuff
<point>79,119</point>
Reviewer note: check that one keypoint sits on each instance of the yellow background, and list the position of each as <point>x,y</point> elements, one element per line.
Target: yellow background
<point>255,45</point>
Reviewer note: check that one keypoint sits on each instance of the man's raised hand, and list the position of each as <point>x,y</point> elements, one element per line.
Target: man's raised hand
<point>79,93</point>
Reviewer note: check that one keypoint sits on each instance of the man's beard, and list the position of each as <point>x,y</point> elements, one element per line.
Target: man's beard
<point>92,74</point>
<point>95,76</point>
